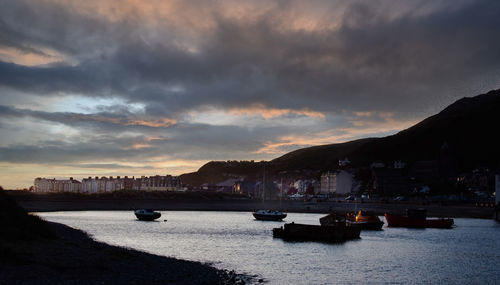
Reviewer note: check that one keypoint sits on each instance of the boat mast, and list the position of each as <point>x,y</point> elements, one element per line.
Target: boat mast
<point>355,206</point>
<point>281,190</point>
<point>264,184</point>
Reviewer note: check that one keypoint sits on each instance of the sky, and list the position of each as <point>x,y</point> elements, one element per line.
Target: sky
<point>106,88</point>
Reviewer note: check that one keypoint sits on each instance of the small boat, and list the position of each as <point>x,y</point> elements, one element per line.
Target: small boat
<point>147,215</point>
<point>367,220</point>
<point>332,219</point>
<point>338,232</point>
<point>417,218</point>
<point>269,215</point>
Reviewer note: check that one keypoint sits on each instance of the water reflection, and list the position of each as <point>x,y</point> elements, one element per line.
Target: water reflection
<point>469,253</point>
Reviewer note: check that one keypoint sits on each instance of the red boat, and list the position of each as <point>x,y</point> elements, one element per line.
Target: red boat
<point>417,218</point>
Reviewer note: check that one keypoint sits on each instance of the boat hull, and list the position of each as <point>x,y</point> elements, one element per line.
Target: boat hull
<point>264,217</point>
<point>148,217</point>
<point>371,226</point>
<point>332,233</point>
<point>402,221</point>
<point>367,220</point>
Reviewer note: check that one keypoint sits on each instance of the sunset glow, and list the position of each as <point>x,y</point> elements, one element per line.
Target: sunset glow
<point>99,88</point>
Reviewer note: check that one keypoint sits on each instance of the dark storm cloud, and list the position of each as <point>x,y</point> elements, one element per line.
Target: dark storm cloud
<point>123,121</point>
<point>371,62</point>
<point>60,152</point>
<point>104,137</point>
<point>43,80</point>
<point>104,121</point>
<point>112,148</point>
<point>379,64</point>
<point>107,166</point>
<point>34,25</point>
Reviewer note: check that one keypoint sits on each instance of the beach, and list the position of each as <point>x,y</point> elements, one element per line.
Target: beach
<point>75,258</point>
<point>33,251</point>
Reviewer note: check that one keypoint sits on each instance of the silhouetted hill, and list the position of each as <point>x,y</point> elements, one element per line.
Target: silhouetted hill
<point>218,171</point>
<point>467,128</point>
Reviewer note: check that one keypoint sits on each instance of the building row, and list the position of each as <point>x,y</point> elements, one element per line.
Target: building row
<point>332,183</point>
<point>108,184</point>
<point>44,185</point>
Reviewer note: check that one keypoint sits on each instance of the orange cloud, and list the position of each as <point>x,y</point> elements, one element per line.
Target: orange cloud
<point>154,123</point>
<point>27,58</point>
<point>200,17</point>
<point>140,146</point>
<point>157,122</point>
<point>269,113</point>
<point>95,118</point>
<point>337,135</point>
<point>276,147</point>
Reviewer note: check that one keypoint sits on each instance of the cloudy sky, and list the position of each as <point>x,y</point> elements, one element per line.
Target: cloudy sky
<point>154,87</point>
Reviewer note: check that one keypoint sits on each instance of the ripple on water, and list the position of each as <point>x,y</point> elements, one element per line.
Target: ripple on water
<point>468,253</point>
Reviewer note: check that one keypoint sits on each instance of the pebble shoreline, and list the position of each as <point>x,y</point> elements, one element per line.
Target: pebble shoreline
<point>75,258</point>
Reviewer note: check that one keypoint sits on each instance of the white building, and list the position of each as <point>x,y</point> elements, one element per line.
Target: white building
<point>43,185</point>
<point>377,164</point>
<point>301,186</point>
<point>338,182</point>
<point>108,184</point>
<point>399,164</point>
<point>344,162</point>
<point>93,185</point>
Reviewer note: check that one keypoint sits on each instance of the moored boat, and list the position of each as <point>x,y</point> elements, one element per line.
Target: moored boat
<point>269,215</point>
<point>367,220</point>
<point>337,232</point>
<point>417,218</point>
<point>147,214</point>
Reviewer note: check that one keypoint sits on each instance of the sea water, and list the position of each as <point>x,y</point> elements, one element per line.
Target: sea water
<point>467,254</point>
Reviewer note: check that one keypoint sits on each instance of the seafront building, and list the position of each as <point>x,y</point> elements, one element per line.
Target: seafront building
<point>336,182</point>
<point>108,184</point>
<point>43,185</point>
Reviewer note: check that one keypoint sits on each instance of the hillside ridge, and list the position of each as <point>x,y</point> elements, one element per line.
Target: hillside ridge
<point>465,126</point>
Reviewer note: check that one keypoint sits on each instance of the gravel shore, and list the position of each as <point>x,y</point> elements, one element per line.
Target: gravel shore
<point>74,258</point>
<point>33,251</point>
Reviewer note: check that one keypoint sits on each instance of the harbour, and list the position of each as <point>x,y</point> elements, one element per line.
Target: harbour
<point>467,253</point>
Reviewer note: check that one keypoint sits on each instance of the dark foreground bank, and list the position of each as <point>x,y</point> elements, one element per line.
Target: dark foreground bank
<point>33,251</point>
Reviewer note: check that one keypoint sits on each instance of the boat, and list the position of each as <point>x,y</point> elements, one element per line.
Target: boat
<point>417,218</point>
<point>338,232</point>
<point>332,219</point>
<point>147,215</point>
<point>269,215</point>
<point>367,220</point>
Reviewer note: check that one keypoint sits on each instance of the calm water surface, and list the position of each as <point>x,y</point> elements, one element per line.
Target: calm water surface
<point>467,254</point>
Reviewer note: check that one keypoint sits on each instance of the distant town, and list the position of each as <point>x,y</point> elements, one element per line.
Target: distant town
<point>378,181</point>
